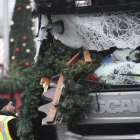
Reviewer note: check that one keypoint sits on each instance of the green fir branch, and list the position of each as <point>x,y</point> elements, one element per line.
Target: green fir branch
<point>78,100</point>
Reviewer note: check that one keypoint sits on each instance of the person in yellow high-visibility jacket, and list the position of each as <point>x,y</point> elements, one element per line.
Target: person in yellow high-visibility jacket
<point>8,120</point>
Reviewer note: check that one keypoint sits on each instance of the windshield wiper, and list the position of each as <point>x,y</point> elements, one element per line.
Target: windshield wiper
<point>131,74</point>
<point>96,83</point>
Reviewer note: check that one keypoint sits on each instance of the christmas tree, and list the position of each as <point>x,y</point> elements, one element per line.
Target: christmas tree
<point>21,35</point>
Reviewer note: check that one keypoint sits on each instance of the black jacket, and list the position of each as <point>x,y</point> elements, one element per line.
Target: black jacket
<point>11,124</point>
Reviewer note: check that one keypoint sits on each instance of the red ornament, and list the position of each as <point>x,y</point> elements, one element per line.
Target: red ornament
<point>27,64</point>
<point>16,49</point>
<point>24,37</point>
<point>19,8</point>
<point>30,1</point>
<point>33,25</point>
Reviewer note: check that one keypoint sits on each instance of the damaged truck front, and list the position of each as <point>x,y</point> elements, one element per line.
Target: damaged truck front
<point>114,111</point>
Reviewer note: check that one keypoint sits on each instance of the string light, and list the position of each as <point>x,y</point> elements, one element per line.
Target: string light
<point>12,22</point>
<point>13,57</point>
<point>28,7</point>
<point>28,50</point>
<point>24,44</point>
<point>32,28</point>
<point>12,40</point>
<point>24,37</point>
<point>16,49</point>
<point>19,8</point>
<point>33,20</point>
<point>27,64</point>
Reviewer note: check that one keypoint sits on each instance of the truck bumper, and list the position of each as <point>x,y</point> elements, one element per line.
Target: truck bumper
<point>124,137</point>
<point>71,136</point>
<point>64,134</point>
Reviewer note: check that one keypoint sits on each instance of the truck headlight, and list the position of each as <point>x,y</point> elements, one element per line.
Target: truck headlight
<point>82,3</point>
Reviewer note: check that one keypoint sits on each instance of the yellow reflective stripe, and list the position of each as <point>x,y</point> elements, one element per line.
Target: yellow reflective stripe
<point>7,132</point>
<point>1,136</point>
<point>0,132</point>
<point>7,129</point>
<point>0,126</point>
<point>4,136</point>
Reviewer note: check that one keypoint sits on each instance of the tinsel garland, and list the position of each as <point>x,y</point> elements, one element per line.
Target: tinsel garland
<point>53,62</point>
